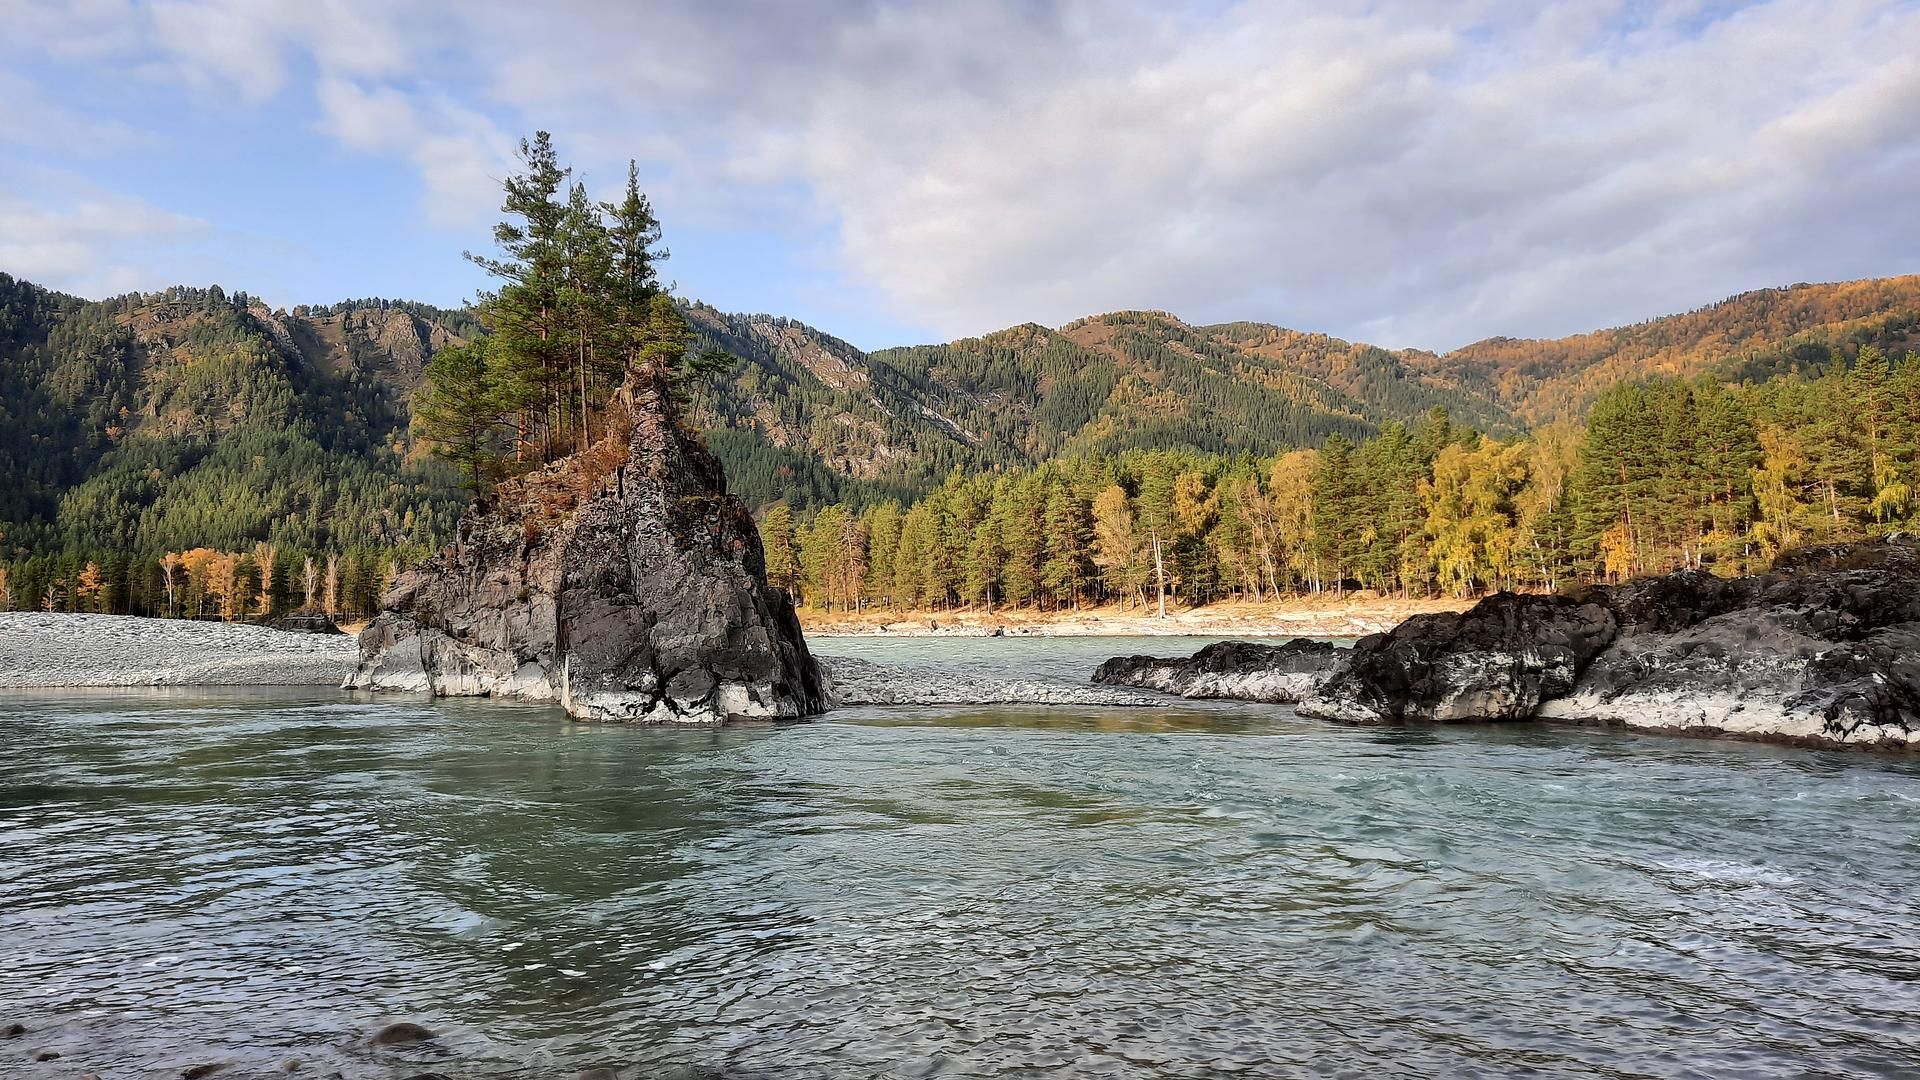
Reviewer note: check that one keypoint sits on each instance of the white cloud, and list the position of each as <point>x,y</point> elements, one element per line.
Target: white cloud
<point>460,154</point>
<point>29,119</point>
<point>1419,173</point>
<point>85,240</point>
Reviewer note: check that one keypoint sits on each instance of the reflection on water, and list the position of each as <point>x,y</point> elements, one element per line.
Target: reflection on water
<point>1214,891</point>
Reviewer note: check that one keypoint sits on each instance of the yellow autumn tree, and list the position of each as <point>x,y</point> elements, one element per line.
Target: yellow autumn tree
<point>1290,485</point>
<point>264,555</point>
<point>91,586</point>
<point>1117,547</point>
<point>1473,516</point>
<point>1777,484</point>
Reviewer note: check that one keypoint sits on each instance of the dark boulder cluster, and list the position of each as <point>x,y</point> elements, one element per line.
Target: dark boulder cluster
<point>1823,649</point>
<point>623,582</point>
<point>1239,670</point>
<point>1499,661</point>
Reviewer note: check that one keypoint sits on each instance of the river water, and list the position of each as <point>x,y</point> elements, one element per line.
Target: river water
<point>1189,891</point>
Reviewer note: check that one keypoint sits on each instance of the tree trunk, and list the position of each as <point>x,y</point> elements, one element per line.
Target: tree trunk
<point>1160,573</point>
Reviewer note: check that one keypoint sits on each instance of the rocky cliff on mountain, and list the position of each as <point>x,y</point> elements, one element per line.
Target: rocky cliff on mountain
<point>623,582</point>
<point>1822,650</point>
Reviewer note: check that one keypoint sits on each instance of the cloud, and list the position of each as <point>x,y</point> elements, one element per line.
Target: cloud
<point>1410,172</point>
<point>85,240</point>
<point>33,121</point>
<point>460,154</point>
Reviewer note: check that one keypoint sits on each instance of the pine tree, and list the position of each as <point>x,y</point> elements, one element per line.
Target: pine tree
<point>1342,527</point>
<point>777,540</point>
<point>524,312</point>
<point>882,523</point>
<point>459,406</point>
<point>1067,539</point>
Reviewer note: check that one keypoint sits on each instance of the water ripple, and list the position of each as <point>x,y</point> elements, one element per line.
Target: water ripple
<point>1192,892</point>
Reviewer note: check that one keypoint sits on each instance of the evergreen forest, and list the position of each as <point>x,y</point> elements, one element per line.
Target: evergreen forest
<point>196,453</point>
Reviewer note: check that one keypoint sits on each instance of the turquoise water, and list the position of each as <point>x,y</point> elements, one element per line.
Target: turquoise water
<point>1193,891</point>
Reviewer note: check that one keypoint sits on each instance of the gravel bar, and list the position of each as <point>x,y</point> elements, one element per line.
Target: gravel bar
<point>39,649</point>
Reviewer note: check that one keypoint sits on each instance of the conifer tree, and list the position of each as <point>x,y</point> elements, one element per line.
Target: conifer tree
<point>777,540</point>
<point>1066,535</point>
<point>459,407</point>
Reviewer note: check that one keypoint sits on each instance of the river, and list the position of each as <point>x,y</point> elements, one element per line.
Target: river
<point>1195,890</point>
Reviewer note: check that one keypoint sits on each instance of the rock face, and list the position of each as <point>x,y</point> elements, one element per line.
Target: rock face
<point>623,582</point>
<point>1497,661</point>
<point>1238,670</point>
<point>1822,650</point>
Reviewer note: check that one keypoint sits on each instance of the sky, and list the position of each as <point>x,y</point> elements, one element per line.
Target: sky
<point>1404,173</point>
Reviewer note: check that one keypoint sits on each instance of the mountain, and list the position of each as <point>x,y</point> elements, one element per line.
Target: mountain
<point>809,416</point>
<point>198,417</point>
<point>1800,329</point>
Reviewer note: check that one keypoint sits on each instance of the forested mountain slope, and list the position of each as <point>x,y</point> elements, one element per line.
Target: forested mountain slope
<point>200,418</point>
<point>1800,329</point>
<point>810,417</point>
<point>195,417</point>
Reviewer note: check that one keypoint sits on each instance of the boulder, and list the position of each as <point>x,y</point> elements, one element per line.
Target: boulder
<point>622,582</point>
<point>1822,650</point>
<point>1496,661</point>
<point>400,1034</point>
<point>1239,670</point>
<point>305,622</point>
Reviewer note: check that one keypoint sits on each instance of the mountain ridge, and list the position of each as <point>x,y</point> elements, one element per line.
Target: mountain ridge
<point>115,405</point>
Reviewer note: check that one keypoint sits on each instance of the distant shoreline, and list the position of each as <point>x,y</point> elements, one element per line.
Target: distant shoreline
<point>1321,617</point>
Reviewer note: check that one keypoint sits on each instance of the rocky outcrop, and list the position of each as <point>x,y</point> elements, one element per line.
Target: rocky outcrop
<point>1822,650</point>
<point>305,622</point>
<point>1238,670</point>
<point>623,582</point>
<point>855,682</point>
<point>1496,661</point>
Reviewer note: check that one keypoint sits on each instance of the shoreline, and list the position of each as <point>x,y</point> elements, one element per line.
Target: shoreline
<point>45,651</point>
<point>1323,617</point>
<point>58,651</point>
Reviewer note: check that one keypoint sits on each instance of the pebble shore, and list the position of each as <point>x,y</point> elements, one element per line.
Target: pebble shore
<point>40,649</point>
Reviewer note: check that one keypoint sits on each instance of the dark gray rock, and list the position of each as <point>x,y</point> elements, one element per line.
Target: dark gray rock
<point>1822,650</point>
<point>400,1034</point>
<point>1497,661</point>
<point>1239,670</point>
<point>12,1031</point>
<point>305,622</point>
<point>623,582</point>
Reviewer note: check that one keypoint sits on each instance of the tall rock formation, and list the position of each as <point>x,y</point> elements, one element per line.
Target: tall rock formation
<point>623,582</point>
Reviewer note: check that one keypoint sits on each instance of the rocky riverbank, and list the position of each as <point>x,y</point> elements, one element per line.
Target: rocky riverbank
<point>1823,650</point>
<point>40,649</point>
